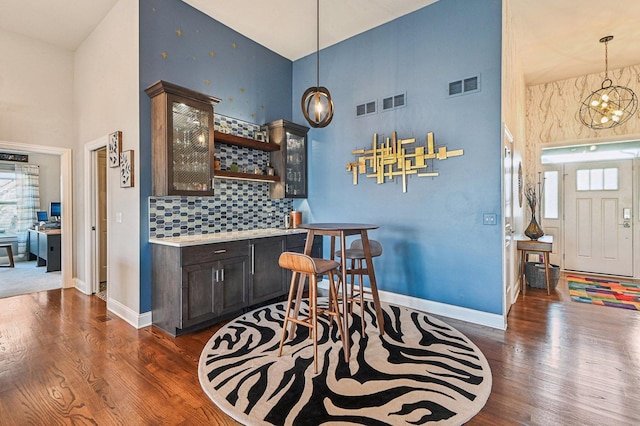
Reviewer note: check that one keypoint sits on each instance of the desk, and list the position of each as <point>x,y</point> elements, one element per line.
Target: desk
<point>45,247</point>
<point>542,246</point>
<point>342,230</point>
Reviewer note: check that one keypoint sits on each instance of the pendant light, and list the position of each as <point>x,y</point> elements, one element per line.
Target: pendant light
<point>317,106</point>
<point>610,105</point>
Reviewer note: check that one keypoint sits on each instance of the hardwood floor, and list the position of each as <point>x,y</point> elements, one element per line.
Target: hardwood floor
<point>64,359</point>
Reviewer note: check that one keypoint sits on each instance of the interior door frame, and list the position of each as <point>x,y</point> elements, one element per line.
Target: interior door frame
<point>66,198</point>
<point>508,248</point>
<point>91,253</point>
<point>536,165</point>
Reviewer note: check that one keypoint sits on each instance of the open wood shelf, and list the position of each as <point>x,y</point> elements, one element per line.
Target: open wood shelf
<point>247,143</point>
<point>245,176</point>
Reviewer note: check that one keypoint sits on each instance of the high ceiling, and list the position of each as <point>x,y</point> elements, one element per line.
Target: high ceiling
<point>557,39</point>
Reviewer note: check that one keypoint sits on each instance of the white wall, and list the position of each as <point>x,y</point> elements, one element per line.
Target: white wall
<point>36,91</point>
<point>49,178</point>
<point>105,100</point>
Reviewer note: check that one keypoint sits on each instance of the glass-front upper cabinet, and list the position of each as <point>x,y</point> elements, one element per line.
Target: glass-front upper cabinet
<point>182,140</point>
<point>290,162</point>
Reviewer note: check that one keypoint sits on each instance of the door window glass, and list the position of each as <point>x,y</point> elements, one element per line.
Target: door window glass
<point>597,179</point>
<point>551,194</point>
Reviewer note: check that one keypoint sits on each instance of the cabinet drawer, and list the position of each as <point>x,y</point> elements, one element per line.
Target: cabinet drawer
<point>296,242</point>
<point>212,252</point>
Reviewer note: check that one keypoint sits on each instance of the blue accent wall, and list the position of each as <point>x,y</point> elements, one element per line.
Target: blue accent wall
<point>435,244</point>
<point>184,46</point>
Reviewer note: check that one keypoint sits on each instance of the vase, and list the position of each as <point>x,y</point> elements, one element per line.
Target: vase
<point>533,231</point>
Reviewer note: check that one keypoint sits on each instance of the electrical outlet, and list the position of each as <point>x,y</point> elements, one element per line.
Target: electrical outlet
<point>490,219</point>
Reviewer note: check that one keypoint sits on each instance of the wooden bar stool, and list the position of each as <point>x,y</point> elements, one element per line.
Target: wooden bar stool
<point>356,254</point>
<point>9,253</point>
<point>302,267</point>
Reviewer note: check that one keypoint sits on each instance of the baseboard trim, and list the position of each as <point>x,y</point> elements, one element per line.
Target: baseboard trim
<point>82,287</point>
<point>128,314</point>
<point>450,311</point>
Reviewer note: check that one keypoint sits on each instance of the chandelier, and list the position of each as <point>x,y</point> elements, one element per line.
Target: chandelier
<point>317,106</point>
<point>610,105</point>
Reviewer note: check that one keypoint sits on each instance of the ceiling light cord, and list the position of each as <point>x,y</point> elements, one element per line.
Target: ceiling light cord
<point>318,44</point>
<point>316,103</point>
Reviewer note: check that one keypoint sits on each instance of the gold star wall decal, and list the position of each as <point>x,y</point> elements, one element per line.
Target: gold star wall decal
<point>179,32</point>
<point>233,45</point>
<point>164,55</point>
<point>253,115</point>
<point>153,9</point>
<point>193,58</point>
<point>230,99</point>
<point>242,90</point>
<point>207,82</point>
<point>212,54</point>
<point>261,106</point>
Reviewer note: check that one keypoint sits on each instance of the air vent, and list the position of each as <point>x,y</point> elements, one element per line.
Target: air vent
<point>465,86</point>
<point>366,108</point>
<point>393,102</point>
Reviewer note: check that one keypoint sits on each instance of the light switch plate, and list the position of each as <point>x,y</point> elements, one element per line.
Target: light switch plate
<point>490,219</point>
<point>119,217</point>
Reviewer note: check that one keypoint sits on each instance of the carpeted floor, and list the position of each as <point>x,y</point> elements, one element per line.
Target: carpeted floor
<point>27,278</point>
<point>421,371</point>
<point>604,292</point>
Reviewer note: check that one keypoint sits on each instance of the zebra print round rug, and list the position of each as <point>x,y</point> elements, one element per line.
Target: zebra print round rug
<point>421,371</point>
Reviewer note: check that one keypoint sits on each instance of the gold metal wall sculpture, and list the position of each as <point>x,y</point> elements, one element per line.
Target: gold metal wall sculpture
<point>394,158</point>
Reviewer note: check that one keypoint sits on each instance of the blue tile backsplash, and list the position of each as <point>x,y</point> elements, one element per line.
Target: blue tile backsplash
<point>236,206</point>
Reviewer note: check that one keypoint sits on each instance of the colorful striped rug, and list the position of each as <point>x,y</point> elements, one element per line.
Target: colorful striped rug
<point>604,292</point>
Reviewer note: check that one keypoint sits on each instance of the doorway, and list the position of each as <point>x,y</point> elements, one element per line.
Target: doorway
<point>589,207</point>
<point>101,222</point>
<point>95,213</point>
<point>66,198</point>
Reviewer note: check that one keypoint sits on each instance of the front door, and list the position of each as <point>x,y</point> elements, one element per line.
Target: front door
<point>598,223</point>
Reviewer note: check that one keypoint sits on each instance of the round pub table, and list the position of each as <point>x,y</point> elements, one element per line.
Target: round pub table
<point>342,231</point>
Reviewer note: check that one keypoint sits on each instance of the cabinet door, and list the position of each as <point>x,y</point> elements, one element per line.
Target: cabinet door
<point>267,276</point>
<point>190,147</point>
<point>290,162</point>
<point>232,284</point>
<point>296,166</point>
<point>181,140</point>
<point>198,293</point>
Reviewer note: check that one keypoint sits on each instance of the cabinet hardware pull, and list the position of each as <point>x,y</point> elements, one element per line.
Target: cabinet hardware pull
<point>217,278</point>
<point>222,274</point>
<point>219,251</point>
<point>253,259</point>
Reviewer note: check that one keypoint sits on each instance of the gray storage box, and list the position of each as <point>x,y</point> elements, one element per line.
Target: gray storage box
<point>534,273</point>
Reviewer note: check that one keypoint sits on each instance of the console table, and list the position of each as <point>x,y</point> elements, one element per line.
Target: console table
<point>542,246</point>
<point>44,246</point>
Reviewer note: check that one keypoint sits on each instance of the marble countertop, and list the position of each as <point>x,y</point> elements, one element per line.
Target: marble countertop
<point>222,237</point>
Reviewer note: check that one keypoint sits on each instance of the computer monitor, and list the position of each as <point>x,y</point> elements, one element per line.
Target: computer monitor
<point>55,210</point>
<point>42,216</point>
